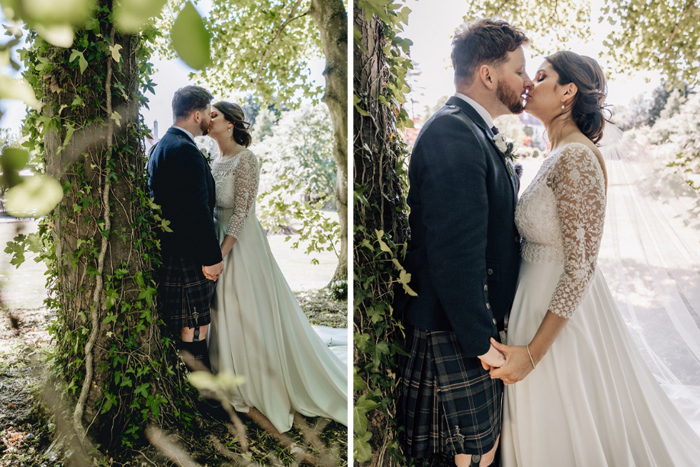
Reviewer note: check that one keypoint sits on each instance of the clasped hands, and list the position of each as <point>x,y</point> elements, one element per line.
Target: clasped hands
<point>213,272</point>
<point>510,363</point>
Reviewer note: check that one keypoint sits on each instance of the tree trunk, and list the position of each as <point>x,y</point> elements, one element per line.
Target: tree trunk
<point>378,152</point>
<point>110,352</point>
<point>331,19</point>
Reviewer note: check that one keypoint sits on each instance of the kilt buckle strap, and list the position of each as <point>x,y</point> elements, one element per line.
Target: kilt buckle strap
<point>459,437</point>
<point>195,315</point>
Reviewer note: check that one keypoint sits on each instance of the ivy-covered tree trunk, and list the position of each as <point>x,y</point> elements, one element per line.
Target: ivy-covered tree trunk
<point>380,222</point>
<point>109,348</point>
<point>331,19</point>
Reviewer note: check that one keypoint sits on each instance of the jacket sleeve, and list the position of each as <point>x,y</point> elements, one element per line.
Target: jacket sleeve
<point>196,216</point>
<point>455,202</point>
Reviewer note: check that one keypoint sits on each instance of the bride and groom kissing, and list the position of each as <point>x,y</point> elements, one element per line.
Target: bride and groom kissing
<point>514,344</point>
<point>221,290</point>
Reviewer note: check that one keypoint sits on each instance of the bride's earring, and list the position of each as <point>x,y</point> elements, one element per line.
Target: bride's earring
<point>562,107</point>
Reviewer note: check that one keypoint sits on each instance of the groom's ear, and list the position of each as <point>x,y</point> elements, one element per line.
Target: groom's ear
<point>485,74</point>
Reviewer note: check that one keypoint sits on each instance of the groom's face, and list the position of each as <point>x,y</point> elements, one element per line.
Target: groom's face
<point>205,120</point>
<point>513,82</point>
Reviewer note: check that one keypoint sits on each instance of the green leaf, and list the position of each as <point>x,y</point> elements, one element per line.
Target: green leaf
<point>11,88</point>
<point>131,15</point>
<point>361,448</point>
<point>191,39</point>
<point>115,52</point>
<point>34,197</point>
<point>117,118</point>
<point>359,415</point>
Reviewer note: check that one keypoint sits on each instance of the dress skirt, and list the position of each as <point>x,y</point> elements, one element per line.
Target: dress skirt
<point>259,332</point>
<point>591,401</point>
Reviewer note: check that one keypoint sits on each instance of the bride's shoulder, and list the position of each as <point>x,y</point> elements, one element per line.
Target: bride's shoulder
<point>578,153</point>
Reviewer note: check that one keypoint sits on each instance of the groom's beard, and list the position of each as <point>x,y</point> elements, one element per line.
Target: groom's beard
<point>204,127</point>
<point>511,99</point>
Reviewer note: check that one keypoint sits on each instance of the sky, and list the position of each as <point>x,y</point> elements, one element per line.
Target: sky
<point>431,25</point>
<point>170,75</point>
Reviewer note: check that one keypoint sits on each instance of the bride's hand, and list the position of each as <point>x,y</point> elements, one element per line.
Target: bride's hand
<point>517,366</point>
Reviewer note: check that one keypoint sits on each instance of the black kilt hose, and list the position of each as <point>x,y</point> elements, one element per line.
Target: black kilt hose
<point>185,294</point>
<point>450,403</point>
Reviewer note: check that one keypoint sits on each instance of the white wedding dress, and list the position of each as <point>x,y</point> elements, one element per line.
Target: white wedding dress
<point>591,401</point>
<point>258,330</point>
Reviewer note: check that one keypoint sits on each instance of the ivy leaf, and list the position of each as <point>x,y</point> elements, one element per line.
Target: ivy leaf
<point>191,39</point>
<point>361,449</point>
<point>359,414</point>
<point>115,52</point>
<point>81,60</point>
<point>117,118</point>
<point>356,100</point>
<point>142,389</point>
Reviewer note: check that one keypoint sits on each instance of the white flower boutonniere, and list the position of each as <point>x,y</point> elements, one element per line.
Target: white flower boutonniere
<point>506,148</point>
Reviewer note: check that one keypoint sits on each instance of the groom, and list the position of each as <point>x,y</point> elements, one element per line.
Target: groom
<point>182,184</point>
<point>464,254</point>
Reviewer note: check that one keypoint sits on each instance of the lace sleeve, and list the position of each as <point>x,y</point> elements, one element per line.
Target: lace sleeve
<point>579,188</point>
<point>245,191</point>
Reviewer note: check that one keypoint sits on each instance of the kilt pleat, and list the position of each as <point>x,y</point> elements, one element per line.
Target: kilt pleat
<point>185,294</point>
<point>450,403</point>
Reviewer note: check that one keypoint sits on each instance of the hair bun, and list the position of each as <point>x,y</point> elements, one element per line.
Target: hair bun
<point>234,113</point>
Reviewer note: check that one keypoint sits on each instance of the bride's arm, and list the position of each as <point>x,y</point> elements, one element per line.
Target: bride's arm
<point>578,184</point>
<point>245,191</point>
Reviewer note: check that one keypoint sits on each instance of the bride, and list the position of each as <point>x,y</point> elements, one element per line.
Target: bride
<point>584,396</point>
<point>258,331</point>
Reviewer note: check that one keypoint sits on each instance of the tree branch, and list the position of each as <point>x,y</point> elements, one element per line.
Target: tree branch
<point>97,295</point>
<point>691,3</point>
<point>286,22</point>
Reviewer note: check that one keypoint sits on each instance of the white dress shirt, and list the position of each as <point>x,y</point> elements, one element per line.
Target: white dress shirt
<point>479,108</point>
<point>185,132</point>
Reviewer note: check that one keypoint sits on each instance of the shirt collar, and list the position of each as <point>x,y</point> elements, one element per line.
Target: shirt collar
<point>185,132</point>
<point>478,107</point>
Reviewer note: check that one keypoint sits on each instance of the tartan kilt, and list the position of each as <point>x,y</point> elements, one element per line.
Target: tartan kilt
<point>185,294</point>
<point>450,403</point>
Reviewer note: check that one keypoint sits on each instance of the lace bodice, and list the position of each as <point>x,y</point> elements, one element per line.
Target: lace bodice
<point>237,182</point>
<point>560,217</point>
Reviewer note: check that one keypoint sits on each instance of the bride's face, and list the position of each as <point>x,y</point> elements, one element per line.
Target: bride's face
<point>546,97</point>
<point>219,126</point>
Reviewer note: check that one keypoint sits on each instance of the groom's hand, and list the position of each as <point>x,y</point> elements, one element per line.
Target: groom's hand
<point>213,272</point>
<point>492,359</point>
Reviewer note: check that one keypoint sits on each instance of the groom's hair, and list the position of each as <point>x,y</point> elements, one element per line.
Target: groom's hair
<point>485,41</point>
<point>190,99</point>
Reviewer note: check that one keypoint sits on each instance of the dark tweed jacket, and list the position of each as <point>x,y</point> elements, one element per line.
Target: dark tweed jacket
<point>464,252</point>
<point>181,183</point>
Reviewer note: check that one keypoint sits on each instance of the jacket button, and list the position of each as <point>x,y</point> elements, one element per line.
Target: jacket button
<point>489,272</point>
<point>494,321</point>
<point>488,307</point>
<point>486,287</point>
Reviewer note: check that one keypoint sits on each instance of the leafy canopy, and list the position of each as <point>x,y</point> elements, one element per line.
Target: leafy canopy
<point>646,35</point>
<point>261,46</point>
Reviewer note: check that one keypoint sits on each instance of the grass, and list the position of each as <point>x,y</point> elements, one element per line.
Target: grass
<point>27,429</point>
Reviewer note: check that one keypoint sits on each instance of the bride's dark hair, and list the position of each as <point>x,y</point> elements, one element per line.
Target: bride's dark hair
<point>234,114</point>
<point>587,106</point>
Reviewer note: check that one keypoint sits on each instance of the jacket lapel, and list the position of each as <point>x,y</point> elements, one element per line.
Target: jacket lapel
<point>476,118</point>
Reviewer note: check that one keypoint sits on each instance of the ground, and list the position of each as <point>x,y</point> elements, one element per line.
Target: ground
<point>26,427</point>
